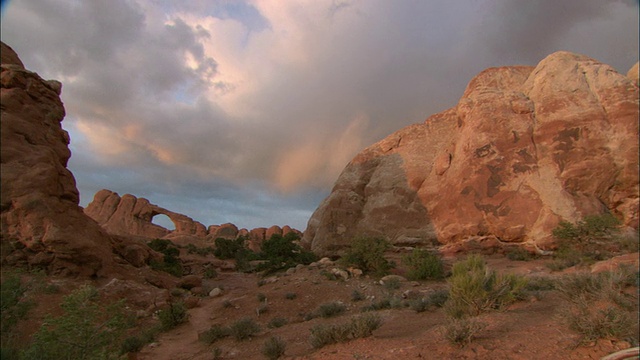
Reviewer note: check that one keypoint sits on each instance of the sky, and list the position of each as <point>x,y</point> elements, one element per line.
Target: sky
<point>247,111</point>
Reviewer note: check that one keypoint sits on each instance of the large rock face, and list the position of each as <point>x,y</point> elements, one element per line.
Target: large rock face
<point>42,223</point>
<point>525,148</point>
<point>129,215</point>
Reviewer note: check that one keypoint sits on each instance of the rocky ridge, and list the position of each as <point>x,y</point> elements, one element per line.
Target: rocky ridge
<point>525,148</point>
<point>129,215</point>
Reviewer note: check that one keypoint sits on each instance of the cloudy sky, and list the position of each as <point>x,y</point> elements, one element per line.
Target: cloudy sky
<point>247,111</point>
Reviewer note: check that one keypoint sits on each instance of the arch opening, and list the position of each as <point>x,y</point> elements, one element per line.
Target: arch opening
<point>164,221</point>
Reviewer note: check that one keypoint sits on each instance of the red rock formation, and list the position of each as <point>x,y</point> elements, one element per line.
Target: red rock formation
<point>42,223</point>
<point>226,231</point>
<point>524,148</point>
<point>128,215</point>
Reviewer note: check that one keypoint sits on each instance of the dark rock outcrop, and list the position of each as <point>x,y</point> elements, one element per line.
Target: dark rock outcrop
<point>42,224</point>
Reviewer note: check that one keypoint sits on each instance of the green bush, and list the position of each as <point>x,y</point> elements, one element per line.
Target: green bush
<point>227,248</point>
<point>357,295</point>
<point>277,322</point>
<point>173,316</point>
<point>274,348</point>
<point>518,254</point>
<point>597,305</point>
<point>214,333</point>
<point>281,252</point>
<point>462,331</point>
<point>243,329</point>
<point>389,302</point>
<point>592,239</point>
<point>171,260</point>
<point>367,254</point>
<point>137,342</point>
<point>357,327</point>
<point>474,288</point>
<point>439,297</point>
<point>86,330</point>
<point>331,309</point>
<point>13,306</point>
<point>423,265</point>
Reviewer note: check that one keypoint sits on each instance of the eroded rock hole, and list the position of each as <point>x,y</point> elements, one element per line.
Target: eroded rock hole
<point>164,221</point>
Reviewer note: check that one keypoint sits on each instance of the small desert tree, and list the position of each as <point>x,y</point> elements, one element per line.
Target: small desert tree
<point>368,254</point>
<point>86,330</point>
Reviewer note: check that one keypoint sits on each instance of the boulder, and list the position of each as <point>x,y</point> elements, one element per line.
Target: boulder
<point>524,148</point>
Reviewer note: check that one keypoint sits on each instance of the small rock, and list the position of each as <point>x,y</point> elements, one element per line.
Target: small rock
<point>215,292</point>
<point>190,281</point>
<point>339,272</point>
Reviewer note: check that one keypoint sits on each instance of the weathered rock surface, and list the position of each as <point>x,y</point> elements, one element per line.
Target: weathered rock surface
<point>42,223</point>
<point>525,148</point>
<point>132,216</point>
<point>129,215</point>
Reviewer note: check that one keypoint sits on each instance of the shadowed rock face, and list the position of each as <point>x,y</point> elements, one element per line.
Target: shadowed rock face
<point>524,148</point>
<point>42,224</point>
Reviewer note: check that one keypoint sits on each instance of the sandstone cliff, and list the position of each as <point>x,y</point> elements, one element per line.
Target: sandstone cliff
<point>42,224</point>
<point>525,148</point>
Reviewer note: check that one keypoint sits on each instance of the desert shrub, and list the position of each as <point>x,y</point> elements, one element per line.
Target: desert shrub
<point>597,306</point>
<point>591,239</point>
<point>439,297</point>
<point>357,327</point>
<point>423,265</point>
<point>474,288</point>
<point>135,343</point>
<point>86,330</point>
<point>171,263</point>
<point>227,248</point>
<point>210,273</point>
<point>462,331</point>
<point>13,306</point>
<point>419,305</point>
<point>518,254</point>
<point>540,283</point>
<point>261,297</point>
<point>367,254</point>
<point>173,316</point>
<point>282,252</point>
<point>277,322</point>
<point>161,245</point>
<point>244,329</point>
<point>331,309</point>
<point>392,284</point>
<point>274,348</point>
<point>357,295</point>
<point>389,302</point>
<point>322,335</point>
<point>202,251</point>
<point>214,333</point>
<point>290,296</point>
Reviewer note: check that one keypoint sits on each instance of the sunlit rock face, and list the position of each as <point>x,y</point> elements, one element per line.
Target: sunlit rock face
<point>42,224</point>
<point>525,148</point>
